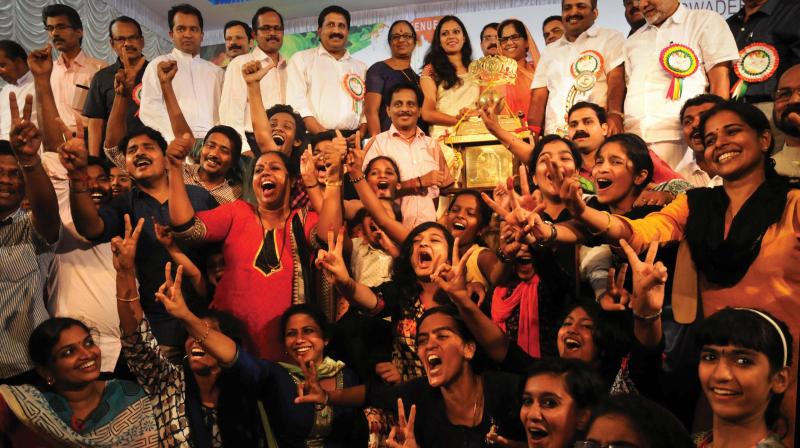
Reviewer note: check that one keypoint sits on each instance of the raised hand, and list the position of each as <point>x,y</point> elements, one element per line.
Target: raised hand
<point>332,261</point>
<point>25,137</point>
<point>402,434</point>
<point>451,278</point>
<point>616,297</point>
<point>649,278</point>
<point>477,290</point>
<point>510,239</point>
<point>309,390</point>
<point>163,234</point>
<point>355,159</point>
<point>123,250</point>
<point>254,71</point>
<point>40,62</point>
<point>170,294</point>
<point>488,114</point>
<point>167,71</point>
<point>179,149</point>
<point>308,167</point>
<point>125,78</point>
<point>72,152</point>
<point>569,188</point>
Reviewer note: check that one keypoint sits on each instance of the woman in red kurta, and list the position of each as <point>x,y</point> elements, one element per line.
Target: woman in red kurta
<point>267,249</point>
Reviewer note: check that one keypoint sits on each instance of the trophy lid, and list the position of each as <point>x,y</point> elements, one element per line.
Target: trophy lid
<point>493,70</point>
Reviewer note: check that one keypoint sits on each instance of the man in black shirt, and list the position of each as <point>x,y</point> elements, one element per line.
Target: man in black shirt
<point>125,36</point>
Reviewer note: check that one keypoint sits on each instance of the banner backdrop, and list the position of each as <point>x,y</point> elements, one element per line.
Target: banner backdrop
<point>369,43</point>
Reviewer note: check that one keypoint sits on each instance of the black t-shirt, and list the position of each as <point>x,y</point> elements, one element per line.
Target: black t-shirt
<point>101,96</point>
<point>433,428</point>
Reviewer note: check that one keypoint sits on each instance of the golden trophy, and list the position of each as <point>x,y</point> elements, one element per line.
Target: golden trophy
<point>484,162</point>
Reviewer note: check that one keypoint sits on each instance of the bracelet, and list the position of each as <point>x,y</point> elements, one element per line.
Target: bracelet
<point>133,299</point>
<point>31,166</point>
<point>616,112</point>
<point>551,238</point>
<point>608,226</point>
<point>653,316</point>
<point>503,257</point>
<point>203,339</point>
<point>308,187</point>
<point>337,183</point>
<point>358,179</point>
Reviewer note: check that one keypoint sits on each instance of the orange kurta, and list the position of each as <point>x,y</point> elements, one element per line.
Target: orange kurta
<point>772,283</point>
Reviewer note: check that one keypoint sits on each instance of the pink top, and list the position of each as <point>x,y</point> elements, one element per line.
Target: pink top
<point>255,288</point>
<point>415,159</point>
<point>63,81</point>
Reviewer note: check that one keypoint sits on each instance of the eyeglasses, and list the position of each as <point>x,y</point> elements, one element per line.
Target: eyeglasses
<point>268,28</point>
<point>511,38</point>
<point>59,27</point>
<point>399,37</point>
<point>785,93</point>
<point>489,38</point>
<point>124,39</point>
<point>593,444</point>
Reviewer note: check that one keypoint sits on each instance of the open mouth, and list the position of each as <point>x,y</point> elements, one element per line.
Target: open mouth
<point>458,225</point>
<point>142,162</point>
<point>302,350</point>
<point>97,197</point>
<point>424,258</point>
<point>571,343</point>
<point>213,162</point>
<point>434,363</point>
<point>197,352</point>
<point>727,156</point>
<point>88,366</point>
<point>267,185</point>
<point>602,183</point>
<point>538,433</point>
<point>278,139</point>
<point>383,185</point>
<point>720,392</point>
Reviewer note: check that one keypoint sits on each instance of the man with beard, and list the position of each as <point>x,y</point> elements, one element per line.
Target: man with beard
<point>693,167</point>
<point>588,129</point>
<point>423,170</point>
<point>27,239</point>
<point>325,85</point>
<point>786,116</point>
<point>197,83</point>
<point>489,39</point>
<point>584,65</point>
<point>633,15</point>
<point>14,71</point>
<point>234,107</point>
<point>237,38</point>
<point>658,86</point>
<point>552,29</point>
<point>125,37</point>
<point>73,69</point>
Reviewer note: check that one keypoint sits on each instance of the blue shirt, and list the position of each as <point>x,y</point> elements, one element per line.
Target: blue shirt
<point>151,255</point>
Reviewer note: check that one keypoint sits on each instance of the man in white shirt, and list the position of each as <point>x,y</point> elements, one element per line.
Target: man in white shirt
<point>584,65</point>
<point>786,116</point>
<point>73,70</point>
<point>197,84</point>
<point>698,48</point>
<point>234,108</point>
<point>325,85</point>
<point>14,71</point>
<point>237,38</point>
<point>693,167</point>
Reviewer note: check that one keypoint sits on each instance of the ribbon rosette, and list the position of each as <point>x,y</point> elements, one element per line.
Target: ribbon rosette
<point>757,63</point>
<point>354,86</point>
<point>679,61</point>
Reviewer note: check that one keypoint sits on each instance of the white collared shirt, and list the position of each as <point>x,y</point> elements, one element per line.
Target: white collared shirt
<point>316,88</point>
<point>234,108</point>
<point>197,86</point>
<point>691,171</point>
<point>64,81</point>
<point>787,161</point>
<point>22,88</point>
<point>648,111</point>
<point>553,71</point>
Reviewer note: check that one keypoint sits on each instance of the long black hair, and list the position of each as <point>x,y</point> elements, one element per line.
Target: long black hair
<point>443,70</point>
<point>402,272</point>
<point>45,337</point>
<point>655,425</point>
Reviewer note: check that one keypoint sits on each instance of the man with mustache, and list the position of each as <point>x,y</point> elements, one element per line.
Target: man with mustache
<point>127,41</point>
<point>633,15</point>
<point>237,38</point>
<point>73,69</point>
<point>693,167</point>
<point>423,170</point>
<point>654,99</point>
<point>234,107</point>
<point>786,116</point>
<point>197,84</point>
<point>489,39</point>
<point>325,85</point>
<point>552,29</point>
<point>585,64</point>
<point>14,71</point>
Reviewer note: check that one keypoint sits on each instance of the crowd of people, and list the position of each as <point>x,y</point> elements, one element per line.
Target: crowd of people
<point>283,252</point>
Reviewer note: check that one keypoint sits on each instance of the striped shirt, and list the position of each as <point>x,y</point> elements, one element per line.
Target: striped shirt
<point>25,257</point>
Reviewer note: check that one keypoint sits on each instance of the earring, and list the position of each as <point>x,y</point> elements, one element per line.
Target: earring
<point>50,381</point>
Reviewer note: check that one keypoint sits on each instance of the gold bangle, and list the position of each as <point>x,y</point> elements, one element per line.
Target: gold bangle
<point>133,299</point>
<point>308,187</point>
<point>608,226</point>
<point>358,179</point>
<point>337,183</point>
<point>203,339</point>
